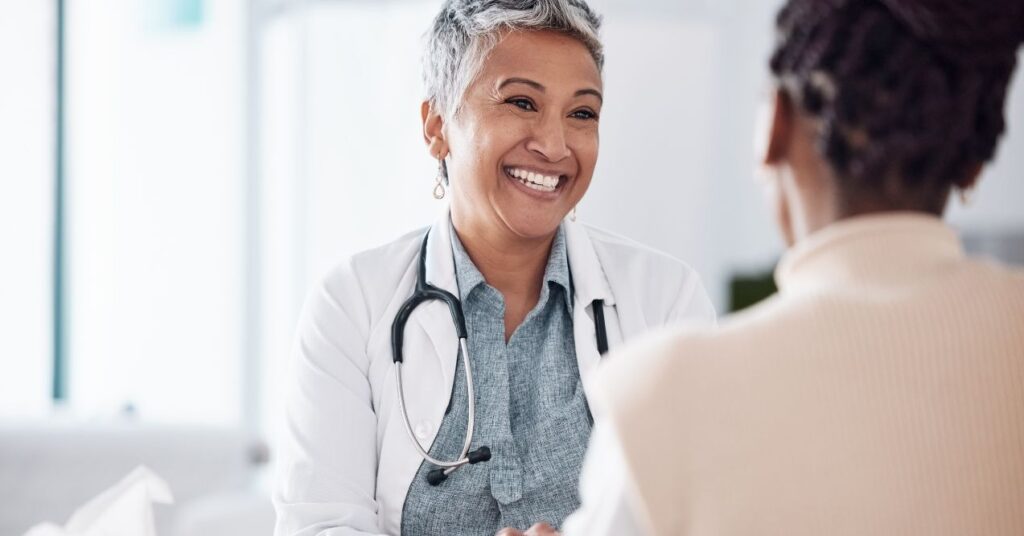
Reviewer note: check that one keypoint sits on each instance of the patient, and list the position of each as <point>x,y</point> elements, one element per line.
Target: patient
<point>882,390</point>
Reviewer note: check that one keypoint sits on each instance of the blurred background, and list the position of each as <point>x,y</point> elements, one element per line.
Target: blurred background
<point>175,175</point>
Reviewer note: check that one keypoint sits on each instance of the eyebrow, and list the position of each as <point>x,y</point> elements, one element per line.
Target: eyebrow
<point>589,91</point>
<point>540,87</point>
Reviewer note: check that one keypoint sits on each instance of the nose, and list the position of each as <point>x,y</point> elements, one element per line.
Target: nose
<point>549,139</point>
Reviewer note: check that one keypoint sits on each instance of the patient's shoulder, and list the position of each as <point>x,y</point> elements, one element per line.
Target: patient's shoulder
<point>685,355</point>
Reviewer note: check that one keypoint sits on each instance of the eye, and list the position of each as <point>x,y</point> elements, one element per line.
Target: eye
<point>522,103</point>
<point>585,114</point>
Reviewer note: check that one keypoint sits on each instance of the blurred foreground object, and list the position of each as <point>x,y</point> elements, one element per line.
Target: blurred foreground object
<point>126,509</point>
<point>50,468</point>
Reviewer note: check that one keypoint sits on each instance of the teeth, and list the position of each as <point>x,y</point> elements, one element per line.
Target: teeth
<point>538,187</point>
<point>545,183</point>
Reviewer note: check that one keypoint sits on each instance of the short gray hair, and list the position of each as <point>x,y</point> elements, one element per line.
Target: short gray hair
<point>465,32</point>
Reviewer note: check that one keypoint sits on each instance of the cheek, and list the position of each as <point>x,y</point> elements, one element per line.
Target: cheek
<point>585,146</point>
<point>472,155</point>
<point>495,139</point>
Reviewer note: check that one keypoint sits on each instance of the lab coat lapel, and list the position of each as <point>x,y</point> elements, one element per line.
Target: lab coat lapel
<point>589,283</point>
<point>434,317</point>
<point>428,372</point>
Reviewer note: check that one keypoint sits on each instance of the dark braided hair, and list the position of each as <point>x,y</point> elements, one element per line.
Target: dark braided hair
<point>908,94</point>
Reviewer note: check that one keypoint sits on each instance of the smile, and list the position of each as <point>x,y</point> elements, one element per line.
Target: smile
<point>534,180</point>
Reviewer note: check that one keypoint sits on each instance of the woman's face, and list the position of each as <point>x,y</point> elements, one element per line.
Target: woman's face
<point>523,146</point>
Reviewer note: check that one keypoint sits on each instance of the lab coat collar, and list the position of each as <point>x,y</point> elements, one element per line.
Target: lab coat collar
<point>440,259</point>
<point>589,281</point>
<point>588,278</point>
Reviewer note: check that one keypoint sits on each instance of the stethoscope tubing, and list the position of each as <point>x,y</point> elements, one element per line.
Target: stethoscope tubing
<point>426,292</point>
<point>463,459</point>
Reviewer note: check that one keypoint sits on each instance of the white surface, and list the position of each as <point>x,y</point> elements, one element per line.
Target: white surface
<point>282,183</point>
<point>155,192</point>
<point>226,514</point>
<point>125,509</point>
<point>50,469</point>
<point>26,205</point>
<point>654,179</point>
<point>369,175</point>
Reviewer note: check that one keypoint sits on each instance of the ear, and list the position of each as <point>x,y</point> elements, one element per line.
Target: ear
<point>433,130</point>
<point>780,125</point>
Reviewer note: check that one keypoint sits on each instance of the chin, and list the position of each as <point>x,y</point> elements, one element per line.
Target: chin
<point>532,223</point>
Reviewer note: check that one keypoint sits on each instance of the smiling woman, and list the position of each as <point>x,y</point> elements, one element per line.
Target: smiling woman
<point>523,147</point>
<point>490,382</point>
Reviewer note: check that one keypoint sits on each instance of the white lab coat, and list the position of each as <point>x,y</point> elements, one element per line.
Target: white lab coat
<point>347,463</point>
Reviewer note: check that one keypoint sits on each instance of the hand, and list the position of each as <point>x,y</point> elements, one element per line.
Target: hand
<point>540,529</point>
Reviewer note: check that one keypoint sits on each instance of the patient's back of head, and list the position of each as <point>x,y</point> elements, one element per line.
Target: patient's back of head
<point>907,96</point>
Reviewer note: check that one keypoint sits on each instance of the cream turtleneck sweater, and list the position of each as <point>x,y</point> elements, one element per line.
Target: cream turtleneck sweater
<point>880,392</point>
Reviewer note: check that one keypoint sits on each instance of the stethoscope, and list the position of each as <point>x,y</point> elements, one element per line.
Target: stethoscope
<point>426,292</point>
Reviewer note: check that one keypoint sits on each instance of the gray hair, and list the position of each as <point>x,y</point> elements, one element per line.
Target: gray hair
<point>465,32</point>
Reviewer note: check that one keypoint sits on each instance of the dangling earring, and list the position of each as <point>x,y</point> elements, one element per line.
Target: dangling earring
<point>442,178</point>
<point>572,215</point>
<point>965,195</point>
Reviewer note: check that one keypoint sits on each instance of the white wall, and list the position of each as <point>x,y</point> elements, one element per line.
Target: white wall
<point>658,132</point>
<point>684,81</point>
<point>27,119</point>
<point>155,211</point>
<point>342,166</point>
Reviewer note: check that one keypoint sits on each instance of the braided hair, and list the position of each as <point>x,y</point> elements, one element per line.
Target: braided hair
<point>907,95</point>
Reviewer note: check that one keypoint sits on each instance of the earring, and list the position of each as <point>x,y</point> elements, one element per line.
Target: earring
<point>965,195</point>
<point>442,178</point>
<point>572,215</point>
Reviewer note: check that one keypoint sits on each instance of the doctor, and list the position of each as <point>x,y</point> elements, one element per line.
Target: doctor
<point>514,97</point>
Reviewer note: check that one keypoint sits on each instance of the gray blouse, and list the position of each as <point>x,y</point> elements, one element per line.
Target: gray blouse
<point>530,411</point>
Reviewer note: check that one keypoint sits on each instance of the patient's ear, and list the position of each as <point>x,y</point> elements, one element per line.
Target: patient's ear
<point>779,128</point>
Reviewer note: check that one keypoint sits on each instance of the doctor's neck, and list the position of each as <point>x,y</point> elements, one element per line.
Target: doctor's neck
<point>511,263</point>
